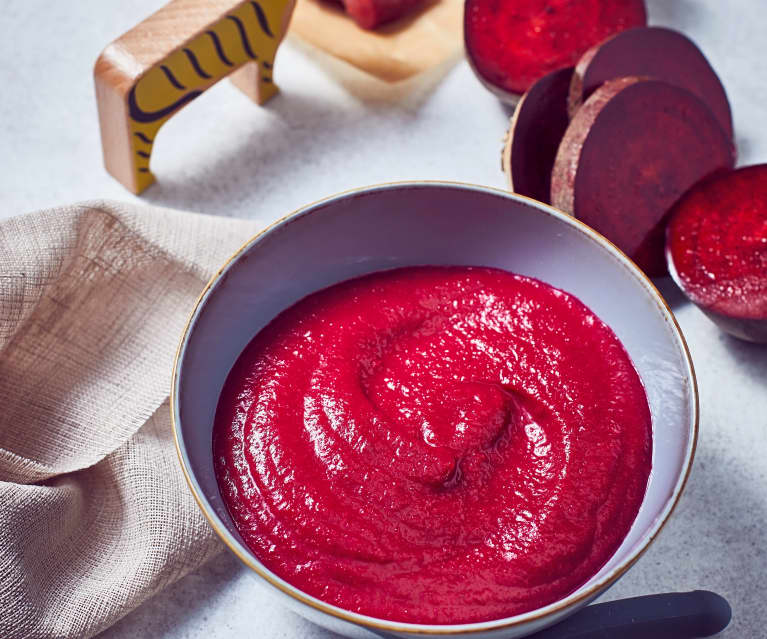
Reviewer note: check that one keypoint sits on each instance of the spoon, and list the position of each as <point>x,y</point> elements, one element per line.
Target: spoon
<point>674,615</point>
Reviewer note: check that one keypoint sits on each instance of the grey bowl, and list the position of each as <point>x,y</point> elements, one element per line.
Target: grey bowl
<point>433,223</point>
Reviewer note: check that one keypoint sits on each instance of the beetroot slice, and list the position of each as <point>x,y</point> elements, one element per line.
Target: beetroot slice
<point>630,152</point>
<point>512,43</point>
<point>716,247</point>
<point>536,129</point>
<point>656,52</point>
<point>370,14</point>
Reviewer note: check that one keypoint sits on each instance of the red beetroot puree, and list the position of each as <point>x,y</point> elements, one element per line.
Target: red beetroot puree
<point>434,445</point>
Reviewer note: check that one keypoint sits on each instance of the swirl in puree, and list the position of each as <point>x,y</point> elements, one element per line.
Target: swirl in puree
<point>434,444</point>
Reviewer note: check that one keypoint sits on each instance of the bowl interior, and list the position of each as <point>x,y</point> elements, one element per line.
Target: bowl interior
<point>411,224</point>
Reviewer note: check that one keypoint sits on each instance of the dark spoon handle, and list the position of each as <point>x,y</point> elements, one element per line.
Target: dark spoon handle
<point>676,615</point>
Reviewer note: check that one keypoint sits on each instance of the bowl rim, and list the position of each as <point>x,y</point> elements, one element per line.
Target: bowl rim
<point>375,623</point>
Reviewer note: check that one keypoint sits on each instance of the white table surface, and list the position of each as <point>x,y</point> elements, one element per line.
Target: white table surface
<point>225,156</point>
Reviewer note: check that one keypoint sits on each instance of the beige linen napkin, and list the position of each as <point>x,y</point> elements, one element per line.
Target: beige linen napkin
<point>95,516</point>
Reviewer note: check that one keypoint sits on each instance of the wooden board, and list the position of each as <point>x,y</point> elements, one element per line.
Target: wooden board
<point>423,40</point>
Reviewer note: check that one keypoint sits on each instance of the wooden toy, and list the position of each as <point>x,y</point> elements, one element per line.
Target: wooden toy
<point>163,63</point>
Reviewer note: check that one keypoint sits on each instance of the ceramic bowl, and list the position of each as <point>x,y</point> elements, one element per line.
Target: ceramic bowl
<point>414,223</point>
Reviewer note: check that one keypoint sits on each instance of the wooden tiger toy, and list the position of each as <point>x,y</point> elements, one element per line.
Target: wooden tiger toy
<point>162,64</point>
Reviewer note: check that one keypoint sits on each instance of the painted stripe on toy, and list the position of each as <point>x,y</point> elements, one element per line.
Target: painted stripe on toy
<point>172,78</point>
<point>196,64</point>
<point>151,116</point>
<point>243,36</point>
<point>262,18</point>
<point>219,48</point>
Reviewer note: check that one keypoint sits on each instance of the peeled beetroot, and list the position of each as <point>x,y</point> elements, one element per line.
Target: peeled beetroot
<point>370,14</point>
<point>536,129</point>
<point>512,43</point>
<point>633,148</point>
<point>655,52</point>
<point>717,249</point>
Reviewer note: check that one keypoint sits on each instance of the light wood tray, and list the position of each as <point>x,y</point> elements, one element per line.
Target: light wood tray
<point>394,52</point>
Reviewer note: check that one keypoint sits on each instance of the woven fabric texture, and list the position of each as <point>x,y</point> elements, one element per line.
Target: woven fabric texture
<point>95,516</point>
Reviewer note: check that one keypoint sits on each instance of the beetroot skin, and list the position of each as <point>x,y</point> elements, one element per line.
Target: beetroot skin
<point>630,152</point>
<point>512,43</point>
<point>655,52</point>
<point>370,14</point>
<point>717,249</point>
<point>536,129</point>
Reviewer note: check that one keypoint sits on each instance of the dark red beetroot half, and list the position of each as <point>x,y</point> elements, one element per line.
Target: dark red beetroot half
<point>717,249</point>
<point>536,129</point>
<point>512,43</point>
<point>633,148</point>
<point>370,14</point>
<point>656,52</point>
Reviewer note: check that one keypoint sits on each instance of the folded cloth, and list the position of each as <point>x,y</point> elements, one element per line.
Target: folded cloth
<point>95,516</point>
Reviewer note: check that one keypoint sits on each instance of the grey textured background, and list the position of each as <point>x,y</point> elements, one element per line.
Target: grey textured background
<point>330,130</point>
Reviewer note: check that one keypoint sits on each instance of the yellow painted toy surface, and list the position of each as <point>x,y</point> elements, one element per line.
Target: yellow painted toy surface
<point>248,33</point>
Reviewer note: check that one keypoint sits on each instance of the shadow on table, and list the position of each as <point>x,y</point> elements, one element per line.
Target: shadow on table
<point>724,515</point>
<point>261,161</point>
<point>683,14</point>
<point>714,541</point>
<point>671,293</point>
<point>205,601</point>
<point>751,358</point>
<point>295,138</point>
